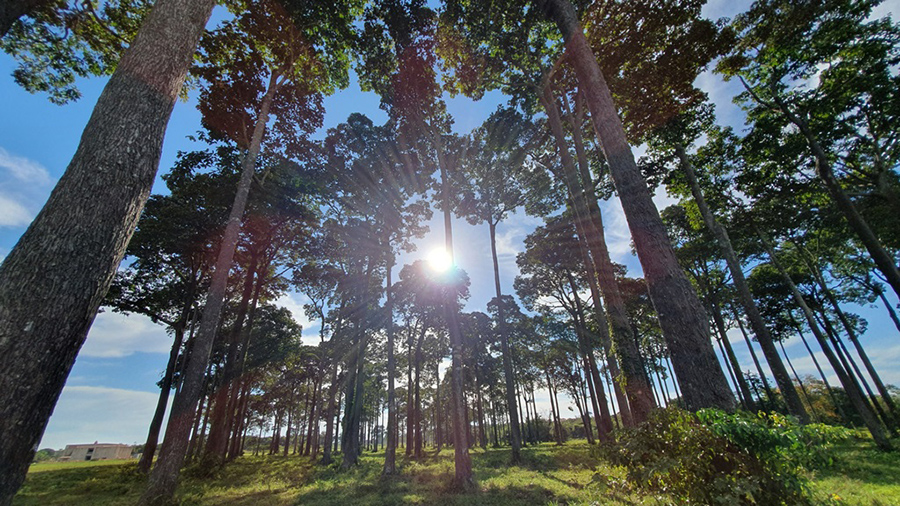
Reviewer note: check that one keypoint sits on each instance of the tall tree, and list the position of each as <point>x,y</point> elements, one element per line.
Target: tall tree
<point>825,69</point>
<point>50,294</point>
<point>261,61</point>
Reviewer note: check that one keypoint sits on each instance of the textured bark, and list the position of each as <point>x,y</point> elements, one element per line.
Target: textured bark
<point>54,279</point>
<point>681,316</point>
<point>514,431</point>
<point>763,336</point>
<point>639,402</point>
<point>164,477</point>
<point>12,10</point>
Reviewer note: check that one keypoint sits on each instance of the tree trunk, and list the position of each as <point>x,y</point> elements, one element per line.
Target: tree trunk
<point>164,478</point>
<point>165,389</point>
<point>681,316</point>
<point>636,407</point>
<point>891,419</point>
<point>390,455</point>
<point>54,279</point>
<point>590,231</point>
<point>515,430</point>
<point>850,388</point>
<point>732,358</point>
<point>463,463</point>
<point>12,10</point>
<point>762,375</point>
<point>782,378</point>
<point>883,260</point>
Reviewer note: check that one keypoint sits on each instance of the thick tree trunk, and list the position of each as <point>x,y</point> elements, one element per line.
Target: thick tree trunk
<point>54,279</point>
<point>763,336</point>
<point>515,431</point>
<point>681,316</point>
<point>164,478</point>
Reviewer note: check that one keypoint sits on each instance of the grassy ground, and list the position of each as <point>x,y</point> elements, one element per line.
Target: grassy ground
<point>549,475</point>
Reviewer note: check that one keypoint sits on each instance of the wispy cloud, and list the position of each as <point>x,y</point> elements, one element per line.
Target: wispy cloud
<point>24,186</point>
<point>114,335</point>
<point>125,416</point>
<point>12,213</point>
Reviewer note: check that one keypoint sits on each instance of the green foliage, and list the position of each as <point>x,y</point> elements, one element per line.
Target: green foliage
<point>718,458</point>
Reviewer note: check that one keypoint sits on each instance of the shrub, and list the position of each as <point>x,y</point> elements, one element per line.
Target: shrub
<point>718,458</point>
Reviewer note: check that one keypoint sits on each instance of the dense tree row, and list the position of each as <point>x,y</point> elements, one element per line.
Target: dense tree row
<point>778,232</point>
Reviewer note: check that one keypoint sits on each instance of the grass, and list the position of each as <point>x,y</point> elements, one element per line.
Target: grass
<point>861,475</point>
<point>548,475</point>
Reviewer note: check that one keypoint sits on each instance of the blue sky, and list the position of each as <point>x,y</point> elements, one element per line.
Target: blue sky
<point>124,356</point>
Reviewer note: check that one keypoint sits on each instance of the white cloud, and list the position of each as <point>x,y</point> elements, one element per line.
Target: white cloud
<point>85,414</point>
<point>618,235</point>
<point>293,302</point>
<point>23,169</point>
<point>24,186</point>
<point>12,213</point>
<point>115,335</point>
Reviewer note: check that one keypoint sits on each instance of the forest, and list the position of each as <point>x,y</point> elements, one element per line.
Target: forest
<point>780,230</point>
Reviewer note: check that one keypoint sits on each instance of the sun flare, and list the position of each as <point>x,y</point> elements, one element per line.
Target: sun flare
<point>439,260</point>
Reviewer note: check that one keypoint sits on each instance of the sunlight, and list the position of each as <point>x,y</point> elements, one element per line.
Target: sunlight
<point>439,260</point>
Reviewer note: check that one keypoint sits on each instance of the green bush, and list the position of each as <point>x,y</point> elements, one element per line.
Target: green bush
<point>718,458</point>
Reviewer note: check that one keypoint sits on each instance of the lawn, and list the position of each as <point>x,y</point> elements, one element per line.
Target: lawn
<point>549,475</point>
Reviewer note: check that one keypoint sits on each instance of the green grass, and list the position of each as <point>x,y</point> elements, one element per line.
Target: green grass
<point>861,475</point>
<point>549,475</point>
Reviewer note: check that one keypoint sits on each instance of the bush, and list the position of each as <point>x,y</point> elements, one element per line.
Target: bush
<point>718,458</point>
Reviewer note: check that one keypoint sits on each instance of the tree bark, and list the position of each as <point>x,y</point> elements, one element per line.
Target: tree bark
<point>596,256</point>
<point>161,404</point>
<point>54,279</point>
<point>763,336</point>
<point>164,478</point>
<point>681,316</point>
<point>12,10</point>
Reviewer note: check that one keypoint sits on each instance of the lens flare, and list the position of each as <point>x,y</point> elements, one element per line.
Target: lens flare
<point>439,260</point>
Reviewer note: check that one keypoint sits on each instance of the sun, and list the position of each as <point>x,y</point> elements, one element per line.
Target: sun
<point>439,260</point>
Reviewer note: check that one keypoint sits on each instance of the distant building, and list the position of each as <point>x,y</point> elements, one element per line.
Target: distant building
<point>96,451</point>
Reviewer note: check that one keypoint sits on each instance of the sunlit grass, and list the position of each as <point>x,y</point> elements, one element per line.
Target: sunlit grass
<point>548,475</point>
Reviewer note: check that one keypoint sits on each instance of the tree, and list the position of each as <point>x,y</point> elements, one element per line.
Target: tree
<point>782,47</point>
<point>261,61</point>
<point>495,184</point>
<point>56,276</point>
